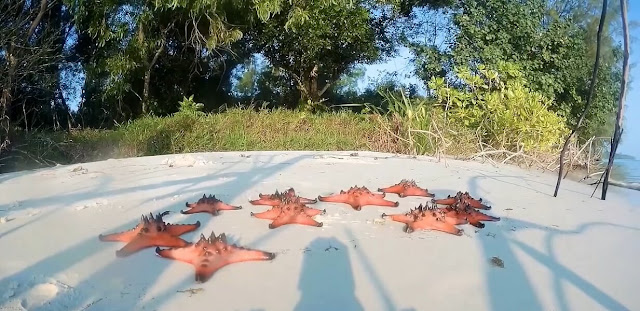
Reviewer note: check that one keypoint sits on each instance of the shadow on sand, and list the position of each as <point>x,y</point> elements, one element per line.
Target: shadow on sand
<point>326,281</point>
<point>140,270</point>
<point>510,288</point>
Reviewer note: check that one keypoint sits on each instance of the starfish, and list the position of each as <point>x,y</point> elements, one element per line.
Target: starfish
<point>475,203</point>
<point>212,254</point>
<point>358,197</point>
<point>290,211</point>
<point>407,188</point>
<point>427,218</point>
<point>150,231</point>
<point>449,216</point>
<point>209,205</point>
<point>464,210</point>
<point>277,197</point>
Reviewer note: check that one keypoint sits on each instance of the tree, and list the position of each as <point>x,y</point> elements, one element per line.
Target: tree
<point>555,50</point>
<point>333,38</point>
<point>30,52</point>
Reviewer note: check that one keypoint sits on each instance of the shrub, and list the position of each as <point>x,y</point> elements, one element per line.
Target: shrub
<point>507,114</point>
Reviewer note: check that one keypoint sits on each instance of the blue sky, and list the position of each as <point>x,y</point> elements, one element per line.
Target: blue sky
<point>630,145</point>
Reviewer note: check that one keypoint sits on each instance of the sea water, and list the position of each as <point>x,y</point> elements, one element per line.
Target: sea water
<point>626,169</point>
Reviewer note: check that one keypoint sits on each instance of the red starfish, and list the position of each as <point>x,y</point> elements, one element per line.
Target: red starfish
<point>463,197</point>
<point>358,197</point>
<point>407,188</point>
<point>209,205</point>
<point>427,218</point>
<point>212,254</point>
<point>291,211</point>
<point>150,231</point>
<point>277,197</point>
<point>463,210</point>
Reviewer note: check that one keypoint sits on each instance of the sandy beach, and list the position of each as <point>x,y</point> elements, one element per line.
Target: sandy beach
<point>572,252</point>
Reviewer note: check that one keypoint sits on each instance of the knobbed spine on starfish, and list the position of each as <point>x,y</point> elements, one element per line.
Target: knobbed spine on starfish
<point>209,255</point>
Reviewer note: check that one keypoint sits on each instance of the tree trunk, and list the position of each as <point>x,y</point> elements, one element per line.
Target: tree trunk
<point>5,100</point>
<point>147,78</point>
<point>12,60</point>
<point>623,90</point>
<point>594,77</point>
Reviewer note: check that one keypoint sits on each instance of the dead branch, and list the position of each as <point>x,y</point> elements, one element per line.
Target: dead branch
<point>594,77</point>
<point>623,90</point>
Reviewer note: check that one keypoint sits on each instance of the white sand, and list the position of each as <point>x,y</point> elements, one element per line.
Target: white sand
<point>572,252</point>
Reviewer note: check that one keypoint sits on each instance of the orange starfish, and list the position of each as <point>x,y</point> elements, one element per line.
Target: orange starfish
<point>427,217</point>
<point>212,254</point>
<point>407,188</point>
<point>464,210</point>
<point>358,197</point>
<point>464,197</point>
<point>290,211</point>
<point>278,197</point>
<point>209,205</point>
<point>150,231</point>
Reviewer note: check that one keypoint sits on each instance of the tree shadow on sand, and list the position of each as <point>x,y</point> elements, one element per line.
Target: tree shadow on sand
<point>136,270</point>
<point>326,281</point>
<point>510,288</point>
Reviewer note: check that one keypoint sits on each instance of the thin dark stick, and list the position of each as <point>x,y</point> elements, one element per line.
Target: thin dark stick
<point>597,184</point>
<point>602,175</point>
<point>594,77</point>
<point>623,89</point>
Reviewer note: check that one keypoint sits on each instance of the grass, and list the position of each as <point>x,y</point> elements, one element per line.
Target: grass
<point>233,130</point>
<point>246,130</point>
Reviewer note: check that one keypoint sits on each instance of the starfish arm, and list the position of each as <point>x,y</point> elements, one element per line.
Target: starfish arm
<point>335,198</point>
<point>144,241</point>
<point>447,201</point>
<point>268,214</point>
<point>478,204</point>
<point>308,201</point>
<point>206,267</point>
<point>221,206</point>
<point>483,217</point>
<point>403,218</point>
<point>435,225</point>
<point>476,223</point>
<point>185,254</point>
<point>456,220</point>
<point>301,219</point>
<point>125,236</point>
<point>241,254</point>
<point>379,195</point>
<point>178,230</point>
<point>265,201</point>
<point>193,208</point>
<point>397,189</point>
<point>416,191</point>
<point>379,202</point>
<point>313,211</point>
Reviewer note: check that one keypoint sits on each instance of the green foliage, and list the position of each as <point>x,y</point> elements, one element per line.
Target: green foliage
<point>334,37</point>
<point>502,108</point>
<point>552,42</point>
<point>233,130</point>
<point>189,106</point>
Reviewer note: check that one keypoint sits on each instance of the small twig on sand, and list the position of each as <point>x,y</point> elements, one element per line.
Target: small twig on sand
<point>191,291</point>
<point>91,304</point>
